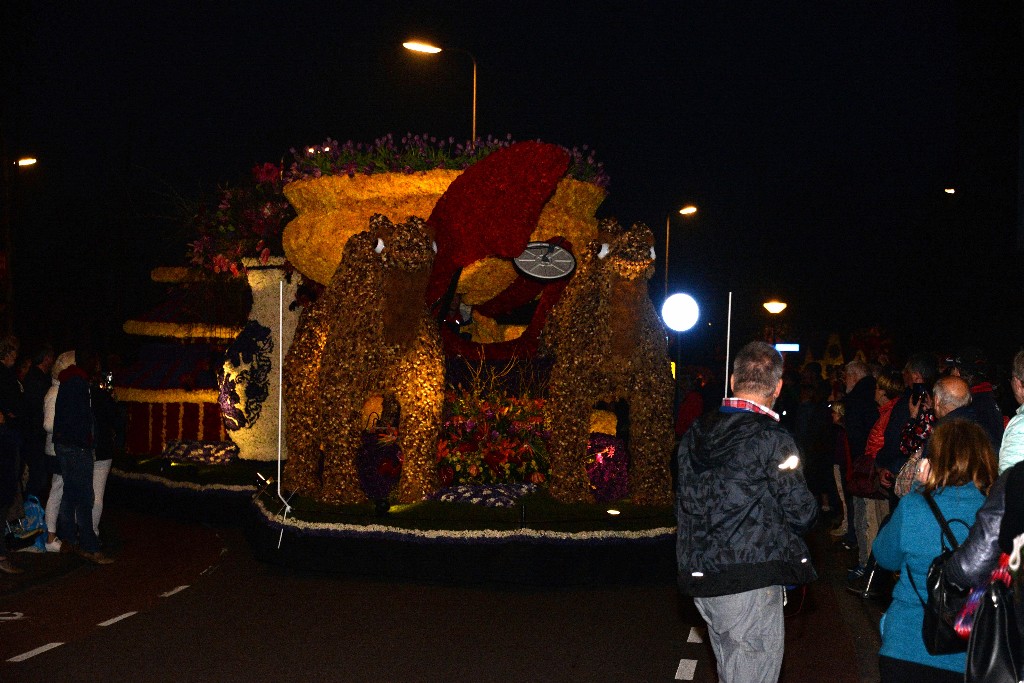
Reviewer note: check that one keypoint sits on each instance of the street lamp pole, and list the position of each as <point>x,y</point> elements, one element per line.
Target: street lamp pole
<point>687,210</point>
<point>427,48</point>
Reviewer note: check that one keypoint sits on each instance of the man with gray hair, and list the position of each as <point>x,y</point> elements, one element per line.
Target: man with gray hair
<point>1012,450</point>
<point>742,507</point>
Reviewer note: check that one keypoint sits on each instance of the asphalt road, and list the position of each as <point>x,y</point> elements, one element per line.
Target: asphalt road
<point>187,602</point>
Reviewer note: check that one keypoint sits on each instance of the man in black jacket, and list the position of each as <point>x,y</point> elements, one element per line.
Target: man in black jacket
<point>742,506</point>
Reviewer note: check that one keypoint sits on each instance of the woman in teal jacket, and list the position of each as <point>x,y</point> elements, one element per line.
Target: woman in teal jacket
<point>961,467</point>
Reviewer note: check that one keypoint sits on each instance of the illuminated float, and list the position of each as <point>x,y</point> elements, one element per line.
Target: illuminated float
<point>468,333</point>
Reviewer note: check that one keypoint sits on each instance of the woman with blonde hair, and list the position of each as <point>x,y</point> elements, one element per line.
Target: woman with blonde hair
<point>960,469</point>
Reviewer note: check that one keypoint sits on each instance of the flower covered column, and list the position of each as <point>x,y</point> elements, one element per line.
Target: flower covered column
<point>249,384</point>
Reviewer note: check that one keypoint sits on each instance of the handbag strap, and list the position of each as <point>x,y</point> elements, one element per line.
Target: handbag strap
<point>941,519</point>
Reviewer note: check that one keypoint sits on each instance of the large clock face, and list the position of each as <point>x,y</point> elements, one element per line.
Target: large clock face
<point>545,261</point>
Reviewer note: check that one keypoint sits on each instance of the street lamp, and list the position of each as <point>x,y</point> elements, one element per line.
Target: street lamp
<point>687,210</point>
<point>427,48</point>
<point>774,307</point>
<point>6,242</point>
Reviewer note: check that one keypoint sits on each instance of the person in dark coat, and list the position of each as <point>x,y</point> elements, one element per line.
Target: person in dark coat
<point>74,440</point>
<point>10,439</point>
<point>36,383</point>
<point>742,507</point>
<point>861,415</point>
<point>971,364</point>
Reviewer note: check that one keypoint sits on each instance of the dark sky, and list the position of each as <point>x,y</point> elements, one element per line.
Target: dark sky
<point>816,138</point>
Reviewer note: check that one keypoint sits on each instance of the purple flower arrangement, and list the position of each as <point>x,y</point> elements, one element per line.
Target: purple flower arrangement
<point>492,496</point>
<point>245,220</point>
<point>607,467</point>
<point>379,463</point>
<point>201,452</point>
<point>415,153</point>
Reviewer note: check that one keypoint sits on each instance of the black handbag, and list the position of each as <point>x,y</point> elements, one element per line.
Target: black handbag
<point>994,650</point>
<point>944,600</point>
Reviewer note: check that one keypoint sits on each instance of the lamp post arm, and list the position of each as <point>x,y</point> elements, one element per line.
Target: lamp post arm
<point>668,231</point>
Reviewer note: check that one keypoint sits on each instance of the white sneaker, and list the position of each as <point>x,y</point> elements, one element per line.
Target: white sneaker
<point>53,546</point>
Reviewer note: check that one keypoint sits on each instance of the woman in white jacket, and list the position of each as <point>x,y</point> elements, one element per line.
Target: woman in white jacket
<point>63,362</point>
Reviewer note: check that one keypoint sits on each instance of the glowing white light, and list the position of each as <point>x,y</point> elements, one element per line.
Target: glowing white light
<point>784,347</point>
<point>27,161</point>
<point>311,150</point>
<point>421,47</point>
<point>790,463</point>
<point>950,190</point>
<point>613,512</point>
<point>327,149</point>
<point>697,574</point>
<point>680,312</point>
<point>688,210</point>
<point>774,306</point>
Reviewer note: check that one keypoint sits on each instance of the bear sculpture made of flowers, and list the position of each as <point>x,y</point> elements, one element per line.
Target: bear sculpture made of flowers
<point>367,335</point>
<point>609,344</point>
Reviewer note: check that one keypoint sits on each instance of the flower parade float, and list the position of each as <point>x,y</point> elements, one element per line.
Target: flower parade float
<point>464,389</point>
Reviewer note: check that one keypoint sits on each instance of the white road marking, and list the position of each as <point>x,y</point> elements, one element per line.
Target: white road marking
<point>695,636</point>
<point>108,622</point>
<point>32,653</point>
<point>687,667</point>
<point>11,616</point>
<point>172,592</point>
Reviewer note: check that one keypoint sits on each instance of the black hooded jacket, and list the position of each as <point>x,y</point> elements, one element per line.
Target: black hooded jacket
<point>741,507</point>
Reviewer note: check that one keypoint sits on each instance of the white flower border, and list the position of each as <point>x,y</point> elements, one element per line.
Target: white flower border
<point>172,484</point>
<point>398,533</point>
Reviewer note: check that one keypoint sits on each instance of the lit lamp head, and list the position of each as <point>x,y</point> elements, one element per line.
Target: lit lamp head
<point>680,312</point>
<point>774,306</point>
<point>417,46</point>
<point>688,210</point>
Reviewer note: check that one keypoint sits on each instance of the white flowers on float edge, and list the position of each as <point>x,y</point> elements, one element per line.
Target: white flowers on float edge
<point>464,535</point>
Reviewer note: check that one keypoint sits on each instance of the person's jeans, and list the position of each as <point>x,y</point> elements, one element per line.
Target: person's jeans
<point>74,521</point>
<point>747,634</point>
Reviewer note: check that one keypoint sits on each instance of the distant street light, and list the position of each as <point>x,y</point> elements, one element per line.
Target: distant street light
<point>427,48</point>
<point>6,242</point>
<point>950,190</point>
<point>687,210</point>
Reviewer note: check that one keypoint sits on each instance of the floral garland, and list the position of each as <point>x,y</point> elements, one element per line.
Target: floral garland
<point>244,221</point>
<point>339,529</point>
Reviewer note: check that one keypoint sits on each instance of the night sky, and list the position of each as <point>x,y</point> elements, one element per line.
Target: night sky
<point>815,138</point>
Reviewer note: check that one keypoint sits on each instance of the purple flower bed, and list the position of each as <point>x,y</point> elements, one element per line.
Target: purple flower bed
<point>378,464</point>
<point>607,467</point>
<point>492,496</point>
<point>203,452</point>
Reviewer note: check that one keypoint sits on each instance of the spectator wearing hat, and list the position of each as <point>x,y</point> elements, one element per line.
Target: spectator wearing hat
<point>971,364</point>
